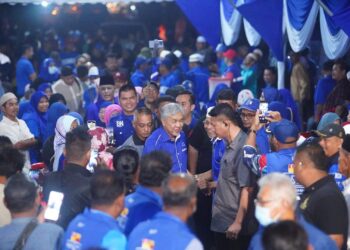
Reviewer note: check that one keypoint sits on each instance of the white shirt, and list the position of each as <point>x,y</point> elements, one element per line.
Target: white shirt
<point>17,131</point>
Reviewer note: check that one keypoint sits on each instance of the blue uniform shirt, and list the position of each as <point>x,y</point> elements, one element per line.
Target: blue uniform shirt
<point>323,88</point>
<point>122,127</point>
<point>318,239</point>
<point>138,79</point>
<point>166,82</point>
<point>334,170</point>
<point>164,231</point>
<point>218,151</point>
<point>24,69</point>
<point>94,229</point>
<point>177,149</point>
<point>140,206</point>
<point>199,76</point>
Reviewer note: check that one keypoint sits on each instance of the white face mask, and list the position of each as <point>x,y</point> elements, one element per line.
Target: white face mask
<point>52,70</point>
<point>263,215</point>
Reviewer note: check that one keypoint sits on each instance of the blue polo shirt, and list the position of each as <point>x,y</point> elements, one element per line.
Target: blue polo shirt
<point>334,170</point>
<point>140,206</point>
<point>318,239</point>
<point>166,82</point>
<point>138,78</point>
<point>164,231</point>
<point>199,76</point>
<point>218,151</point>
<point>24,68</point>
<point>323,88</point>
<point>122,127</point>
<point>177,149</point>
<point>94,229</point>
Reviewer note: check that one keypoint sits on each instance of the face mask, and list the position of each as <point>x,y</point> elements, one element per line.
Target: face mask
<point>262,214</point>
<point>52,70</point>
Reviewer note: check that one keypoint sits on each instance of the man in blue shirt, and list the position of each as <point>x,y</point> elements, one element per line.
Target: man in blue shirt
<point>122,123</point>
<point>105,94</point>
<point>276,201</point>
<point>167,79</point>
<point>146,201</point>
<point>284,135</point>
<point>138,78</point>
<point>199,75</point>
<point>170,138</point>
<point>25,73</point>
<point>96,227</point>
<point>324,86</point>
<point>168,229</point>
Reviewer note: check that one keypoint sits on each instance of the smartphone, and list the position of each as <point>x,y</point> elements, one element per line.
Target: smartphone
<point>263,107</point>
<point>54,206</point>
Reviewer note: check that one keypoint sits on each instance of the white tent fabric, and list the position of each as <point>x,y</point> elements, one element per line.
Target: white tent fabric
<point>230,29</point>
<point>253,37</point>
<point>298,39</point>
<point>334,46</point>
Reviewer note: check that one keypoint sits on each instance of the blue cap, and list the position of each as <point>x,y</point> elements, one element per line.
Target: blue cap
<point>281,108</point>
<point>284,131</point>
<point>167,62</point>
<point>139,61</point>
<point>252,104</point>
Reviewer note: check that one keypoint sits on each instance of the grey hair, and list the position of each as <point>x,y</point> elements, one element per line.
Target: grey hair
<point>170,109</point>
<point>178,196</point>
<point>281,187</point>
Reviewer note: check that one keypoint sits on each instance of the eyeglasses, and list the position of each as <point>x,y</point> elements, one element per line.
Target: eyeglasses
<point>263,202</point>
<point>247,115</point>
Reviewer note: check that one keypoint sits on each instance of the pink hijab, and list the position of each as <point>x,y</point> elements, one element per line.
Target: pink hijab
<point>113,108</point>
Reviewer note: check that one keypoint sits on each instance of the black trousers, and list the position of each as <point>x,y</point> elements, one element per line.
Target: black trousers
<point>222,243</point>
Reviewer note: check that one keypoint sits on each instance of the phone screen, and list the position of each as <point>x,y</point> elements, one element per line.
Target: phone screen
<point>54,206</point>
<point>263,107</point>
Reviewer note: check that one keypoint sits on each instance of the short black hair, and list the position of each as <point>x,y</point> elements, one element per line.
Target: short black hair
<point>155,167</point>
<point>25,47</point>
<point>11,161</point>
<point>82,71</point>
<point>66,71</point>
<point>106,186</point>
<point>227,95</point>
<point>178,196</point>
<point>143,111</point>
<point>5,142</point>
<point>227,111</point>
<point>315,153</point>
<point>20,193</point>
<point>57,97</point>
<point>328,65</point>
<point>285,235</point>
<point>126,162</point>
<point>342,64</point>
<point>78,143</point>
<point>164,98</point>
<point>153,83</point>
<point>186,92</point>
<point>126,88</point>
<point>272,69</point>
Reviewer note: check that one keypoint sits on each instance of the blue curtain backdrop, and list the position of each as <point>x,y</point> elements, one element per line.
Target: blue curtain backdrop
<point>266,22</point>
<point>205,17</point>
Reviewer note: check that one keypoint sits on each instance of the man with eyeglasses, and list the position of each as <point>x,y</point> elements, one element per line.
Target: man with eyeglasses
<point>276,201</point>
<point>143,126</point>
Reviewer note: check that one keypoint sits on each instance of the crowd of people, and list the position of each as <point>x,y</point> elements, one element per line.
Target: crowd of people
<point>173,151</point>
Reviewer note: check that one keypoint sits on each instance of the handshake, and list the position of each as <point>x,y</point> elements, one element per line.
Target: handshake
<point>205,182</point>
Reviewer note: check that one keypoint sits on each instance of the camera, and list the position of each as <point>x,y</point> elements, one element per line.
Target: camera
<point>156,44</point>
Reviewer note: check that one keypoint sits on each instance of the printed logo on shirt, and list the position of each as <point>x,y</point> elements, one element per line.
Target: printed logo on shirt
<point>147,244</point>
<point>125,212</point>
<point>303,205</point>
<point>119,124</point>
<point>76,237</point>
<point>74,241</point>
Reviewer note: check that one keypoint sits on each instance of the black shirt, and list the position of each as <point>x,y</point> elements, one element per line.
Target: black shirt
<point>323,205</point>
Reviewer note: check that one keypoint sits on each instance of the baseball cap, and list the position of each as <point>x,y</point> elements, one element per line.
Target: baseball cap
<point>139,61</point>
<point>244,95</point>
<point>201,39</point>
<point>284,131</point>
<point>230,54</point>
<point>6,97</point>
<point>196,57</point>
<point>252,104</point>
<point>220,47</point>
<point>331,130</point>
<point>93,71</point>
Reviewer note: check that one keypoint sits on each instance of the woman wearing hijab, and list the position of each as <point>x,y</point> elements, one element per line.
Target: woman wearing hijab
<point>46,88</point>
<point>77,116</point>
<point>55,111</point>
<point>286,97</point>
<point>37,122</point>
<point>64,124</point>
<point>111,111</point>
<point>48,70</point>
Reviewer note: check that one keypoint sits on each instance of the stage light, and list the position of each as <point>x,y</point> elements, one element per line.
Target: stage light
<point>132,7</point>
<point>44,4</point>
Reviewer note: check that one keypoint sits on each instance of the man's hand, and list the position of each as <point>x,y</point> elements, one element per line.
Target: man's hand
<point>256,124</point>
<point>233,231</point>
<point>274,116</point>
